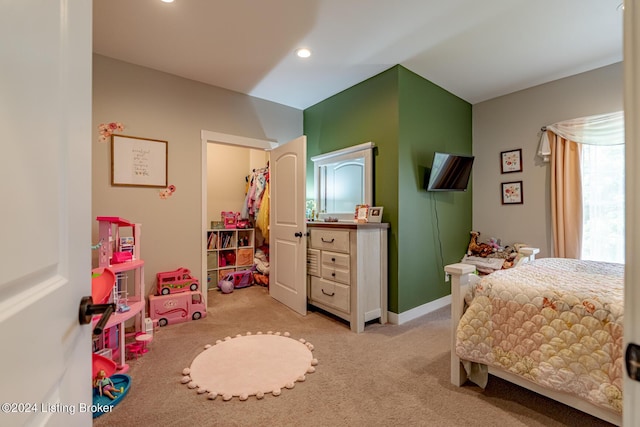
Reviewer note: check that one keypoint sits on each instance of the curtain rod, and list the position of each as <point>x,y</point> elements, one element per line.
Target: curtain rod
<point>543,129</point>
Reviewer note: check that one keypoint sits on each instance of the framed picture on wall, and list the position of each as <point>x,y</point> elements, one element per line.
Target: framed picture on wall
<point>511,161</point>
<point>138,162</point>
<point>511,193</point>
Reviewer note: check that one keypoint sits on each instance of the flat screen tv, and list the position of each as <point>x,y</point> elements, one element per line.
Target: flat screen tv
<point>449,172</point>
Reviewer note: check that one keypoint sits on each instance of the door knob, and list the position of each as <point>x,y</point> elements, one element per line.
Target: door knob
<point>632,361</point>
<point>88,309</point>
<point>298,234</point>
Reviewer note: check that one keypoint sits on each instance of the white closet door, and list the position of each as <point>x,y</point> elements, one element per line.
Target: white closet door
<point>287,231</point>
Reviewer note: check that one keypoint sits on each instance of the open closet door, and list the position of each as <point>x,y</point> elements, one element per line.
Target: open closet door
<point>287,229</point>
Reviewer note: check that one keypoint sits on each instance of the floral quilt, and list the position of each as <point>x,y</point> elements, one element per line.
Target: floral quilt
<point>557,322</point>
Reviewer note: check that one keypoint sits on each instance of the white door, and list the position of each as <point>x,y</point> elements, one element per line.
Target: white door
<point>45,211</point>
<point>287,228</point>
<point>631,412</point>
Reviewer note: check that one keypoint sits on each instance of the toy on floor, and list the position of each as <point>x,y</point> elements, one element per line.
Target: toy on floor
<point>119,382</point>
<point>175,281</point>
<point>105,385</point>
<point>140,345</point>
<point>260,279</point>
<point>226,286</point>
<point>239,279</point>
<point>176,308</point>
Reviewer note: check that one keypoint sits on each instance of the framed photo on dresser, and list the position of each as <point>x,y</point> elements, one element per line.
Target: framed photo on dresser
<point>375,214</point>
<point>362,213</point>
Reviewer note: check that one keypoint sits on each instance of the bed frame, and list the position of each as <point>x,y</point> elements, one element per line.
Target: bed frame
<point>460,275</point>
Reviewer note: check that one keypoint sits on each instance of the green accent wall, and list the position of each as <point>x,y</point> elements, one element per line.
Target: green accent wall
<point>408,118</point>
<point>433,227</point>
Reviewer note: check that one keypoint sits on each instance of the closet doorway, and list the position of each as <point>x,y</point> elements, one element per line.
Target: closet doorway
<point>287,226</point>
<point>226,161</point>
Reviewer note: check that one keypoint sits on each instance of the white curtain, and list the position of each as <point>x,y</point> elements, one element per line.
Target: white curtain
<point>584,220</point>
<point>603,129</point>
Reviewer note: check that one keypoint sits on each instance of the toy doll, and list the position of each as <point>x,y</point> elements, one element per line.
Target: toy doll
<point>105,385</point>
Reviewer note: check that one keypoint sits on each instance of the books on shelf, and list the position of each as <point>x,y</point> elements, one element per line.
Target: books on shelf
<point>220,241</point>
<point>212,240</point>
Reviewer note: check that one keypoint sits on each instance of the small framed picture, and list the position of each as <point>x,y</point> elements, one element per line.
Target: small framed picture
<point>362,213</point>
<point>511,193</point>
<point>375,214</point>
<point>511,161</point>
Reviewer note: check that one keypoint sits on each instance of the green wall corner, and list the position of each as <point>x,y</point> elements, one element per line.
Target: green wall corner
<point>408,118</point>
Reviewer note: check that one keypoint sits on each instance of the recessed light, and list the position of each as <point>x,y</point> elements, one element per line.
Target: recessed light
<point>167,1</point>
<point>303,52</point>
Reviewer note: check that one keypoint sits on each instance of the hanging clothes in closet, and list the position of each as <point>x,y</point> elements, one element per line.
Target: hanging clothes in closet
<point>256,204</point>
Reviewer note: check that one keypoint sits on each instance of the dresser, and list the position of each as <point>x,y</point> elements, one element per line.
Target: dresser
<point>347,270</point>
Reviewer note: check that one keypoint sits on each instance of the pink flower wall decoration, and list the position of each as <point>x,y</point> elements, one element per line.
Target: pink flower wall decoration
<point>168,192</point>
<point>107,129</point>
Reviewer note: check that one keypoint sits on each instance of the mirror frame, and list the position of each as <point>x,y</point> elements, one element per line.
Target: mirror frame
<point>364,150</point>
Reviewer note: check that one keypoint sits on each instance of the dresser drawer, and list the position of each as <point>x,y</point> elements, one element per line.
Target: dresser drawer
<point>335,266</point>
<point>332,294</point>
<point>339,275</point>
<point>335,260</point>
<point>332,240</point>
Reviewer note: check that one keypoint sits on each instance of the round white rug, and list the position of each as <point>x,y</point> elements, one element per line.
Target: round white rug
<point>249,365</point>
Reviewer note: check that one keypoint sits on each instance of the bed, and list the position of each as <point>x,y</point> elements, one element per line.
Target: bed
<point>551,325</point>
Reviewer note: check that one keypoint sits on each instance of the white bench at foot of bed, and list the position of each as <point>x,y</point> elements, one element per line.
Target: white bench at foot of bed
<point>462,276</point>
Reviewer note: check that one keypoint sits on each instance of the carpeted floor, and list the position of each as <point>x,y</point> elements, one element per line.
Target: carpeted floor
<point>388,375</point>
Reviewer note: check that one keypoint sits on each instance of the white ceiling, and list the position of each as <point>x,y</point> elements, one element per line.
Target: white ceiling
<point>475,49</point>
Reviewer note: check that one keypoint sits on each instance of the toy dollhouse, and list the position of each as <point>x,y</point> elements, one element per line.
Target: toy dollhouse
<point>119,252</point>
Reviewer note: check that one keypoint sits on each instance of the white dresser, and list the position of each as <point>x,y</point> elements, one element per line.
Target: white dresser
<point>347,270</point>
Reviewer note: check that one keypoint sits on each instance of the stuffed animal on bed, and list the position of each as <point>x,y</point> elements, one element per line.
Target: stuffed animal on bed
<point>478,249</point>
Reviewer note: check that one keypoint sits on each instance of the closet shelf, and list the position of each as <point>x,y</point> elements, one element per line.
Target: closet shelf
<point>228,250</point>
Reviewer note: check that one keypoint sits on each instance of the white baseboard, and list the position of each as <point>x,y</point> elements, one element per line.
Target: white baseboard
<point>414,313</point>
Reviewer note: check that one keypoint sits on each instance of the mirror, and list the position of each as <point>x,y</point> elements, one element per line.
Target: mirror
<point>343,179</point>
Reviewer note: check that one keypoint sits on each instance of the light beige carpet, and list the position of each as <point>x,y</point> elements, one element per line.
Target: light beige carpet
<point>389,375</point>
<point>250,365</point>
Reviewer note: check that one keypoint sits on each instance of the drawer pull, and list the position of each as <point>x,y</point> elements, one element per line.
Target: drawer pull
<point>328,294</point>
<point>327,241</point>
<point>333,274</point>
<point>333,260</point>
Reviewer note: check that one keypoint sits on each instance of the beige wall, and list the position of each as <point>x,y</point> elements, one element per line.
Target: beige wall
<point>160,106</point>
<point>227,167</point>
<point>514,121</point>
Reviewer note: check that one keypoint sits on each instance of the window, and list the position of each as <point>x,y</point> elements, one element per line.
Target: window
<point>603,202</point>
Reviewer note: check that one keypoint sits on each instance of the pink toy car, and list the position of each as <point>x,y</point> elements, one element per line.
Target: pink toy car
<point>180,280</point>
<point>176,308</point>
<point>240,279</point>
